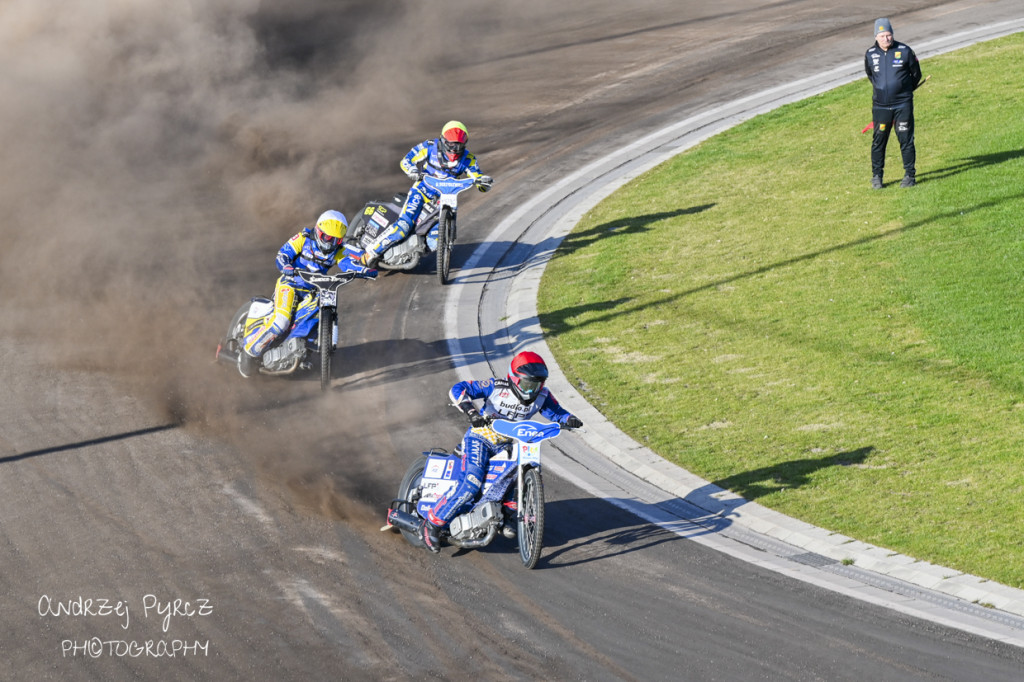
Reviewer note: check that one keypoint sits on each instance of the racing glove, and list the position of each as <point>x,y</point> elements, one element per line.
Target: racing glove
<point>475,418</point>
<point>573,422</point>
<point>484,182</point>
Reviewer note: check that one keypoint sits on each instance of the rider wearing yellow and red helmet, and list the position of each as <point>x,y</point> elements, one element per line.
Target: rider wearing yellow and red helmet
<point>445,156</point>
<point>314,249</point>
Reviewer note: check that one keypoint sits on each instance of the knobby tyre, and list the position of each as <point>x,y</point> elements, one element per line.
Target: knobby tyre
<point>236,331</point>
<point>326,346</point>
<point>444,245</point>
<point>531,518</point>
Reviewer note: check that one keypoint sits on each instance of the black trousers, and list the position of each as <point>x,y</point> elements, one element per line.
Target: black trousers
<point>885,118</point>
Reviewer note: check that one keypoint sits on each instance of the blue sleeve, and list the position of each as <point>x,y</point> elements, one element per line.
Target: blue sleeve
<point>417,155</point>
<point>288,253</point>
<point>552,410</point>
<point>470,390</point>
<point>472,170</point>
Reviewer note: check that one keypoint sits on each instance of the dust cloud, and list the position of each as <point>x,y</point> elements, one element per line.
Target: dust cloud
<point>156,155</point>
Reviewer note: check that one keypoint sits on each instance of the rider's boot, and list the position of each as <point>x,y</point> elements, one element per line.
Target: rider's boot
<point>369,259</point>
<point>430,534</point>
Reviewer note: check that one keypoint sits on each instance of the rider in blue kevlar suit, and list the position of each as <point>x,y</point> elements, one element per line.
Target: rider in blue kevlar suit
<point>314,249</point>
<point>519,396</point>
<point>444,157</point>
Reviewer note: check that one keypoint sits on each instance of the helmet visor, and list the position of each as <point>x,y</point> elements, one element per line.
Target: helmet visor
<point>453,149</point>
<point>530,385</point>
<point>325,240</point>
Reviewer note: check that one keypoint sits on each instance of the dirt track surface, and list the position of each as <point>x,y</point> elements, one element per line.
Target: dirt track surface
<point>155,159</point>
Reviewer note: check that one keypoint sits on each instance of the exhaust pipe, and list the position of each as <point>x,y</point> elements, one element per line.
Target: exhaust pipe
<point>225,355</point>
<point>402,521</point>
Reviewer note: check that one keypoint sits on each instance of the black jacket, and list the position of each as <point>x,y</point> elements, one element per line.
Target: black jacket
<point>894,74</point>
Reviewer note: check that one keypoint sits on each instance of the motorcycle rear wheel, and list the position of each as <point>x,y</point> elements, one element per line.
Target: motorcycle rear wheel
<point>531,518</point>
<point>236,330</point>
<point>408,490</point>
<point>445,232</point>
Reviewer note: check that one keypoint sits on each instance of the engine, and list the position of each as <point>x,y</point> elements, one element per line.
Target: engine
<point>475,524</point>
<point>405,254</point>
<point>285,356</point>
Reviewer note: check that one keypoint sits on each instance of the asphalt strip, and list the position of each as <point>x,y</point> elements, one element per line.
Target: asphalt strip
<point>490,314</point>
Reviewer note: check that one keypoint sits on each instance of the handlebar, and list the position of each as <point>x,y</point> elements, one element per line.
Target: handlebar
<point>321,281</point>
<point>491,418</point>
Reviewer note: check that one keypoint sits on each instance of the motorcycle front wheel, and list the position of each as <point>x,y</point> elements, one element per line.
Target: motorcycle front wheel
<point>408,490</point>
<point>531,518</point>
<point>326,346</point>
<point>445,235</point>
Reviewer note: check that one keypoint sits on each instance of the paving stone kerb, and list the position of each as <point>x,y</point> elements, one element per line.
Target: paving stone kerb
<point>542,222</point>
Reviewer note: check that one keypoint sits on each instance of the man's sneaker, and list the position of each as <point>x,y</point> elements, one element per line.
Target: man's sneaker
<point>248,366</point>
<point>876,182</point>
<point>908,181</point>
<point>430,536</point>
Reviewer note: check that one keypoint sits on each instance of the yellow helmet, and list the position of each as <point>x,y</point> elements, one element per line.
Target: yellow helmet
<point>331,227</point>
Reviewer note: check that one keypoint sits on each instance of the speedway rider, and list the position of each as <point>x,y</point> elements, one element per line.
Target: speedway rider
<point>444,157</point>
<point>518,396</point>
<point>314,249</point>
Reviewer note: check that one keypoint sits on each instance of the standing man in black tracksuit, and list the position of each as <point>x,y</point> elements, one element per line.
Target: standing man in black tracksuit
<point>894,73</point>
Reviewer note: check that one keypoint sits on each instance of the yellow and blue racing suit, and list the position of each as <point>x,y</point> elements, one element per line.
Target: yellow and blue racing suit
<point>301,252</point>
<point>423,159</point>
<point>481,442</point>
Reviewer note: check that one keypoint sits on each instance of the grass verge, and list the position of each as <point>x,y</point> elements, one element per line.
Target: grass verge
<point>752,311</point>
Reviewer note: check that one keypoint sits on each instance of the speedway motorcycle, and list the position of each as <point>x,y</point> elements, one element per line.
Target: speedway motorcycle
<point>511,503</point>
<point>313,336</point>
<point>434,231</point>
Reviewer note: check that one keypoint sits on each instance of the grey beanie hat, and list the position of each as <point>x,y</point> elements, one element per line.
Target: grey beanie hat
<point>882,25</point>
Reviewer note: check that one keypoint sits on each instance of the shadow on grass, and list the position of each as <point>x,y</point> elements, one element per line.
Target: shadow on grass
<point>626,225</point>
<point>760,482</point>
<point>970,163</point>
<point>558,319</point>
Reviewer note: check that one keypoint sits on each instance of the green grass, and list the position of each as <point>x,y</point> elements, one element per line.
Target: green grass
<point>754,312</point>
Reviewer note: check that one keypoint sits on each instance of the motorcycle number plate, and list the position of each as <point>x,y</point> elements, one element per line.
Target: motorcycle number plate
<point>439,468</point>
<point>529,453</point>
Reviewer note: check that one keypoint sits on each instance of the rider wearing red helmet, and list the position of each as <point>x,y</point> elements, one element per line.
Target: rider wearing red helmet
<point>445,156</point>
<point>519,395</point>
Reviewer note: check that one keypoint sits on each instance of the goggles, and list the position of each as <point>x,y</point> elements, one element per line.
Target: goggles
<point>530,386</point>
<point>454,147</point>
<point>326,239</point>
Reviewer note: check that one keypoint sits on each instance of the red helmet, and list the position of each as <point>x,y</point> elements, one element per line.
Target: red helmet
<point>527,374</point>
<point>452,143</point>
